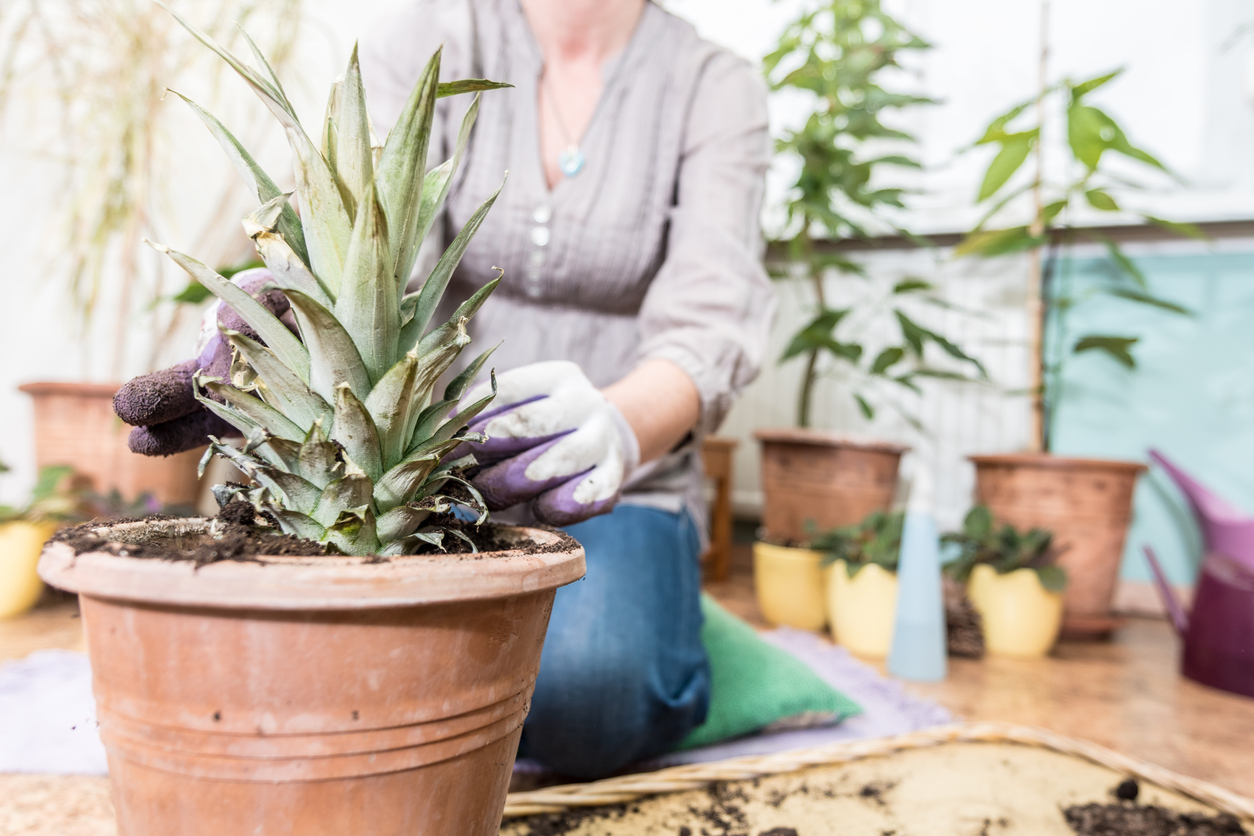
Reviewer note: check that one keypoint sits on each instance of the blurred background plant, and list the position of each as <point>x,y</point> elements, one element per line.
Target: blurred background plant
<point>54,498</point>
<point>1004,548</point>
<point>877,539</point>
<point>93,75</point>
<point>1090,179</point>
<point>840,52</point>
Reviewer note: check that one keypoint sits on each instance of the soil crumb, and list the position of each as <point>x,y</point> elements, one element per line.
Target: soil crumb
<point>557,824</point>
<point>1128,819</point>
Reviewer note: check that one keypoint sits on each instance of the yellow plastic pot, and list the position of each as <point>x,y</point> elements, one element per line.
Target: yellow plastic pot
<point>1021,617</point>
<point>862,608</point>
<point>20,545</point>
<point>789,585</point>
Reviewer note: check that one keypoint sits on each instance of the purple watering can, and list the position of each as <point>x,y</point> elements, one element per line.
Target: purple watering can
<point>1219,633</point>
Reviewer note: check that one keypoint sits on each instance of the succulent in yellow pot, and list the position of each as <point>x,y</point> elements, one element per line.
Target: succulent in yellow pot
<point>1013,582</point>
<point>23,531</point>
<point>861,566</point>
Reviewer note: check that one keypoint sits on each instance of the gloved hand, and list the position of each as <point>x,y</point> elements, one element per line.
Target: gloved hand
<point>553,440</point>
<point>162,406</point>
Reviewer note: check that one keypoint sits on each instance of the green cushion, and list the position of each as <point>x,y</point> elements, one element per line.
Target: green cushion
<point>754,684</point>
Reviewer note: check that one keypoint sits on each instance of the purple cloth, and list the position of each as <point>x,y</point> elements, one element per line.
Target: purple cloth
<point>48,716</point>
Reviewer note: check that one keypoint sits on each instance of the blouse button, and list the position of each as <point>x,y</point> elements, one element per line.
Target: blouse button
<point>533,290</point>
<point>537,258</point>
<point>542,214</point>
<point>540,235</point>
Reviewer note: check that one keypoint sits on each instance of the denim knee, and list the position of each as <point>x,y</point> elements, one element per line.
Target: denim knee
<point>594,713</point>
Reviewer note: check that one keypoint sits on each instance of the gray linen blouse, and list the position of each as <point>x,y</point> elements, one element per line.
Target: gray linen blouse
<point>653,250</point>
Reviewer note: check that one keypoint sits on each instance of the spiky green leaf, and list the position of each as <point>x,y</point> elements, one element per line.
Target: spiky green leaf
<point>333,354</point>
<point>274,333</point>
<point>355,431</point>
<point>290,395</point>
<point>367,301</point>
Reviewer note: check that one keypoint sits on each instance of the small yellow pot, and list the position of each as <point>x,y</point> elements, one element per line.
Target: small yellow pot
<point>862,609</point>
<point>1021,617</point>
<point>789,584</point>
<point>20,545</point>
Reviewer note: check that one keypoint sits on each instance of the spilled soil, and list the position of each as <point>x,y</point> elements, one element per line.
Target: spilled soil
<point>1125,817</point>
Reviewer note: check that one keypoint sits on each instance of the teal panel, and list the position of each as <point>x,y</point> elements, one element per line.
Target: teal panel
<point>1191,396</point>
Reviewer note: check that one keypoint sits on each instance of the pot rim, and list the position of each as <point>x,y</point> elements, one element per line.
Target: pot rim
<point>827,438</point>
<point>269,582</point>
<point>66,387</point>
<point>1051,461</point>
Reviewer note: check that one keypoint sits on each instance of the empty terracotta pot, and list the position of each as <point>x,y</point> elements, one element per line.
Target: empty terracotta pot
<point>815,480</point>
<point>312,696</point>
<point>1087,503</point>
<point>75,426</point>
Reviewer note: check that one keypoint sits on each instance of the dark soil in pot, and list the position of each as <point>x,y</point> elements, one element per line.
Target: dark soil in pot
<point>238,533</point>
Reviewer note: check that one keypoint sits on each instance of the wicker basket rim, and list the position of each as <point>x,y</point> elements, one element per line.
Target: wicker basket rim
<point>628,788</point>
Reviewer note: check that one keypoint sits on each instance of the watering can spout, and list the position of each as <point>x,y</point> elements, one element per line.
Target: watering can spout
<point>1178,618</point>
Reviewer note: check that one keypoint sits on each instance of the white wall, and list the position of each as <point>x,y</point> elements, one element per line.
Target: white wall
<point>1183,97</point>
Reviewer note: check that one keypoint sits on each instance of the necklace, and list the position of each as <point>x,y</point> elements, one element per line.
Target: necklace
<point>571,160</point>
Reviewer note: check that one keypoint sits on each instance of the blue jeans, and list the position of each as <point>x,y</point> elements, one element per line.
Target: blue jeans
<point>624,675</point>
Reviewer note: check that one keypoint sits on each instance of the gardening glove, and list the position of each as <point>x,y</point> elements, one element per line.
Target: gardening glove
<point>162,406</point>
<point>553,441</point>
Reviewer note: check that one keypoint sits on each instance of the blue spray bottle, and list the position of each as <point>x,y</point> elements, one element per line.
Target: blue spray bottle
<point>919,641</point>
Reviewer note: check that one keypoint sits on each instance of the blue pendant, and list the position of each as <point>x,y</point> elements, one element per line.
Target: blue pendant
<point>570,161</point>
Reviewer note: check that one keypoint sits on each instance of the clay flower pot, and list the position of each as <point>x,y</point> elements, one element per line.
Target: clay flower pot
<point>20,544</point>
<point>1021,617</point>
<point>75,425</point>
<point>789,586</point>
<point>862,609</point>
<point>815,480</point>
<point>1086,503</point>
<point>318,696</point>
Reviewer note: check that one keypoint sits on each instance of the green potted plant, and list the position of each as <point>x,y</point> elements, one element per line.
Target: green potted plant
<point>1013,580</point>
<point>838,52</point>
<point>108,136</point>
<point>313,661</point>
<point>860,564</point>
<point>1086,503</point>
<point>24,529</point>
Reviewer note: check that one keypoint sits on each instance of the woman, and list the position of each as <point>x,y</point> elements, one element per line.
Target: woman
<point>634,308</point>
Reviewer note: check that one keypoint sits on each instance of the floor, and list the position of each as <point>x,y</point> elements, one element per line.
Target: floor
<point>1124,694</point>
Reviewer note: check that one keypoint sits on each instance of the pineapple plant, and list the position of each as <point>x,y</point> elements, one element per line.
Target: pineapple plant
<point>345,442</point>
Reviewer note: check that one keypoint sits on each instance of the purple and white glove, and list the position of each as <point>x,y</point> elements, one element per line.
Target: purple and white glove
<point>162,406</point>
<point>554,441</point>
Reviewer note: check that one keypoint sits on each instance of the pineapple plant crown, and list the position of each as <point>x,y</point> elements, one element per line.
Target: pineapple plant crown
<point>345,443</point>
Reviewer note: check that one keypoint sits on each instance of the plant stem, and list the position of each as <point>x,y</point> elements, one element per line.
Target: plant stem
<point>1036,304</point>
<point>806,396</point>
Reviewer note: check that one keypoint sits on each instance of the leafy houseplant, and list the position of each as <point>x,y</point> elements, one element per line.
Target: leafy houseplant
<point>1093,138</point>
<point>1006,549</point>
<point>1011,484</point>
<point>333,663</point>
<point>1012,580</point>
<point>874,541</point>
<point>838,53</point>
<point>861,567</point>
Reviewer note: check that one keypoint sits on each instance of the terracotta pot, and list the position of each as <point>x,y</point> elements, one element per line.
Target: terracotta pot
<point>75,425</point>
<point>312,696</point>
<point>814,479</point>
<point>1021,617</point>
<point>1086,503</point>
<point>789,586</point>
<point>20,544</point>
<point>862,609</point>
